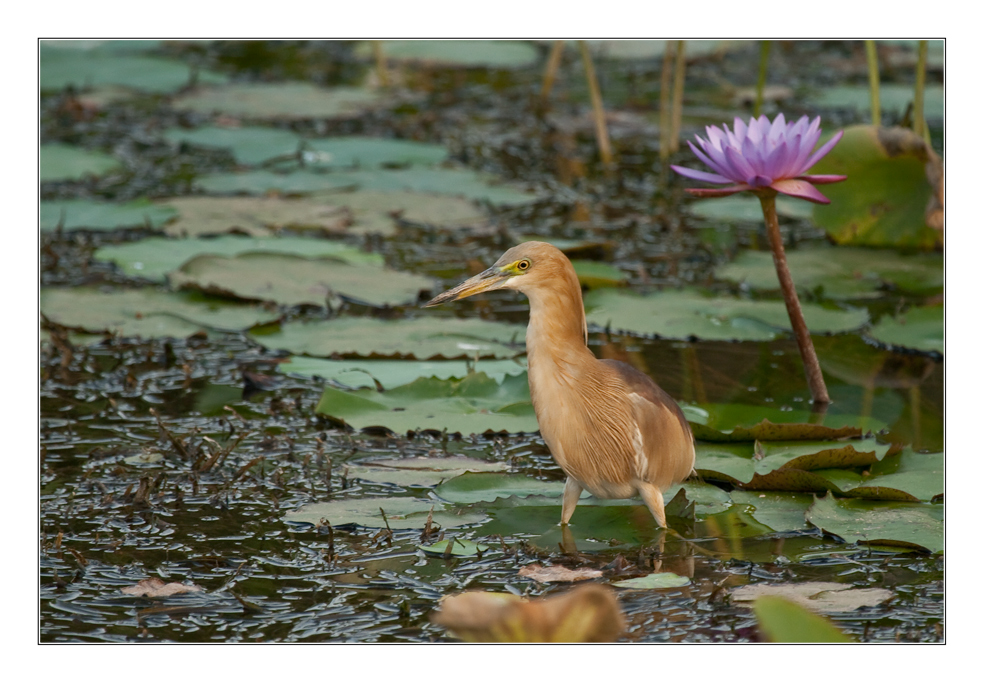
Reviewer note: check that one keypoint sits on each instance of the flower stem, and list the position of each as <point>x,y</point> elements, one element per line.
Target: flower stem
<point>665,99</point>
<point>873,81</point>
<point>764,46</point>
<point>553,63</point>
<point>380,57</point>
<point>676,117</point>
<point>814,376</point>
<point>919,124</point>
<point>601,128</point>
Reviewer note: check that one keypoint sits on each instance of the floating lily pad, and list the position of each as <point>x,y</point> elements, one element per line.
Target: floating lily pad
<point>921,475</point>
<point>455,547</point>
<point>65,162</point>
<point>155,257</point>
<point>401,513</point>
<point>88,68</point>
<point>390,374</point>
<point>422,471</point>
<point>883,202</point>
<point>748,422</point>
<point>256,216</point>
<point>784,621</point>
<point>249,145</point>
<point>147,312</point>
<point>594,274</point>
<point>654,581</point>
<point>892,97</point>
<point>378,211</point>
<point>920,328</point>
<point>489,54</point>
<point>74,214</point>
<point>488,486</point>
<point>474,404</point>
<point>442,181</point>
<point>654,49</point>
<point>687,314</point>
<point>357,150</point>
<point>292,280</point>
<point>780,511</point>
<point>741,207</point>
<point>143,459</point>
<point>909,525</point>
<point>420,338</point>
<point>840,272</point>
<point>280,101</point>
<point>263,182</point>
<point>769,431</point>
<point>707,498</point>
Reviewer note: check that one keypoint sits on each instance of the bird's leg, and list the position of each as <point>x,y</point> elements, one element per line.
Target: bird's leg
<point>572,491</point>
<point>653,499</point>
<point>568,545</point>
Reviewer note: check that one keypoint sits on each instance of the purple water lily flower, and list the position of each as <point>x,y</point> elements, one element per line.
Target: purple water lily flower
<point>763,155</point>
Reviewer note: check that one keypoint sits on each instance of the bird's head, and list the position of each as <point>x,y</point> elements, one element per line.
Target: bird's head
<point>525,268</point>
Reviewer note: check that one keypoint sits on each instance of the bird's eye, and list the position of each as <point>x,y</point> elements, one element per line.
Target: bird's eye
<point>523,265</point>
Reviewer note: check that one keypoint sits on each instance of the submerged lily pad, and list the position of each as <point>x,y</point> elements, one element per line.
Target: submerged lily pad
<point>249,145</point>
<point>390,374</point>
<point>841,272</point>
<point>490,54</point>
<point>909,525</point>
<point>474,404</point>
<point>487,487</point>
<point>65,162</point>
<point>263,182</point>
<point>653,49</point>
<point>420,338</point>
<point>256,216</point>
<point>147,312</point>
<point>778,510</point>
<point>920,328</point>
<point>654,581</point>
<point>883,202</point>
<point>61,68</point>
<point>153,258</point>
<point>442,181</point>
<point>358,150</point>
<point>686,314</point>
<point>892,97</point>
<point>279,100</point>
<point>74,214</point>
<point>422,471</point>
<point>291,280</point>
<point>401,513</point>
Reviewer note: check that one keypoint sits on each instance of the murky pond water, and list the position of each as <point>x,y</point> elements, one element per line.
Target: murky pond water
<point>179,458</point>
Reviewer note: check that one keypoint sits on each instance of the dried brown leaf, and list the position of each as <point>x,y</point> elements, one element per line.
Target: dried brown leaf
<point>155,588</point>
<point>557,573</point>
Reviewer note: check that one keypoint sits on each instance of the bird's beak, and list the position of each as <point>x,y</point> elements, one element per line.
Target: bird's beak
<point>487,280</point>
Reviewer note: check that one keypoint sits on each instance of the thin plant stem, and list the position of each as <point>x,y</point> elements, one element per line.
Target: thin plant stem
<point>814,376</point>
<point>664,100</point>
<point>764,47</point>
<point>601,128</point>
<point>873,82</point>
<point>677,116</point>
<point>550,74</point>
<point>919,124</point>
<point>377,52</point>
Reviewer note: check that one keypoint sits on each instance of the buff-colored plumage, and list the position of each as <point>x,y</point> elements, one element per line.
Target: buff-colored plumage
<point>612,430</point>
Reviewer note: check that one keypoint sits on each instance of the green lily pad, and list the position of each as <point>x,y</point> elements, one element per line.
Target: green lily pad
<point>256,216</point>
<point>356,150</point>
<point>820,454</point>
<point>780,511</point>
<point>707,498</point>
<point>423,471</point>
<point>153,258</point>
<point>442,181</point>
<point>767,430</point>
<point>250,145</point>
<point>61,68</point>
<point>147,312</point>
<point>892,97</point>
<point>489,54</point>
<point>74,214</point>
<point>488,486</point>
<point>921,475</point>
<point>292,280</point>
<point>920,328</point>
<point>729,462</point>
<point>909,525</point>
<point>744,208</point>
<point>390,374</point>
<point>784,621</point>
<point>401,513</point>
<point>474,404</point>
<point>65,162</point>
<point>420,338</point>
<point>143,459</point>
<point>653,49</point>
<point>376,211</point>
<point>686,314</point>
<point>455,547</point>
<point>884,199</point>
<point>654,581</point>
<point>840,272</point>
<point>263,182</point>
<point>594,274</point>
<point>279,101</point>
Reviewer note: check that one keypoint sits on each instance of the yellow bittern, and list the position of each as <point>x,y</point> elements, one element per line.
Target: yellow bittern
<point>611,429</point>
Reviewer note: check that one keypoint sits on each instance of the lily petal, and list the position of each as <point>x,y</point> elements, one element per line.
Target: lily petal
<point>820,153</point>
<point>795,187</point>
<point>739,163</point>
<point>714,165</point>
<point>701,175</point>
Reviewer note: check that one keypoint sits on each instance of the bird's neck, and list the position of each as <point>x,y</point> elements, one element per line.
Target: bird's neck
<point>557,322</point>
